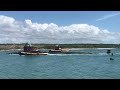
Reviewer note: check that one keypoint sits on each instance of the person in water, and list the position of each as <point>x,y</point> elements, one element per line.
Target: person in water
<point>112,54</point>
<point>111,59</point>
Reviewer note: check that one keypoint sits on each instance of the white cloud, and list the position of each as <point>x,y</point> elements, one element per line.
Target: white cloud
<point>107,16</point>
<point>13,31</point>
<point>6,20</point>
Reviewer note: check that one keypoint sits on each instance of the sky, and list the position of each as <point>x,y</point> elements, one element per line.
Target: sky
<point>60,27</point>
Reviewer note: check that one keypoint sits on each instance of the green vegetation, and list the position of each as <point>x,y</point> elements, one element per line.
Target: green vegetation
<point>51,46</point>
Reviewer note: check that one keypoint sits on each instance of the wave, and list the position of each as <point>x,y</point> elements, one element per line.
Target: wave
<point>105,54</point>
<point>105,48</point>
<point>66,54</point>
<point>94,54</point>
<point>102,54</point>
<point>117,53</point>
<point>13,54</point>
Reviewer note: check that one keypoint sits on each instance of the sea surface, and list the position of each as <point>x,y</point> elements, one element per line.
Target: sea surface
<point>61,66</point>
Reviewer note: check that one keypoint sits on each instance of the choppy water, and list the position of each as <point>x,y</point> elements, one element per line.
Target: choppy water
<point>61,66</point>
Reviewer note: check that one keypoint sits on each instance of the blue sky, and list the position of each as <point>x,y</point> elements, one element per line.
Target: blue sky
<point>69,17</point>
<point>104,20</point>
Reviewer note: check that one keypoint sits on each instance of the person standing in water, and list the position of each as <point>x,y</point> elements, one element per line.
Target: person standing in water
<point>111,55</point>
<point>109,52</point>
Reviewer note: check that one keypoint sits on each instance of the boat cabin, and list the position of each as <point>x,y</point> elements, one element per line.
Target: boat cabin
<point>57,47</point>
<point>29,48</point>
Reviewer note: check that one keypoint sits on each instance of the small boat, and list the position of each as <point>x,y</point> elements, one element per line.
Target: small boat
<point>58,50</point>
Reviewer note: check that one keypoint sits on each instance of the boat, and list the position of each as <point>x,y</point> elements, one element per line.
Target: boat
<point>30,50</point>
<point>59,50</point>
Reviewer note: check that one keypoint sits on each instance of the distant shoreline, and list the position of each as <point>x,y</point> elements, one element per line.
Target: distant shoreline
<point>86,48</point>
<point>63,46</point>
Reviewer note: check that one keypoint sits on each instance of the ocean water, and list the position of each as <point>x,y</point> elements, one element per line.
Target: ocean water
<point>61,66</point>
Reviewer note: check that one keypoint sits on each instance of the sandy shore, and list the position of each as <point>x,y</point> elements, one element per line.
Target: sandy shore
<point>86,48</point>
<point>12,50</point>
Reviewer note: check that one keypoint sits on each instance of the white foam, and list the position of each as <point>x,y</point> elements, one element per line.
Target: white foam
<point>66,54</point>
<point>105,48</point>
<point>13,54</point>
<point>102,54</point>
